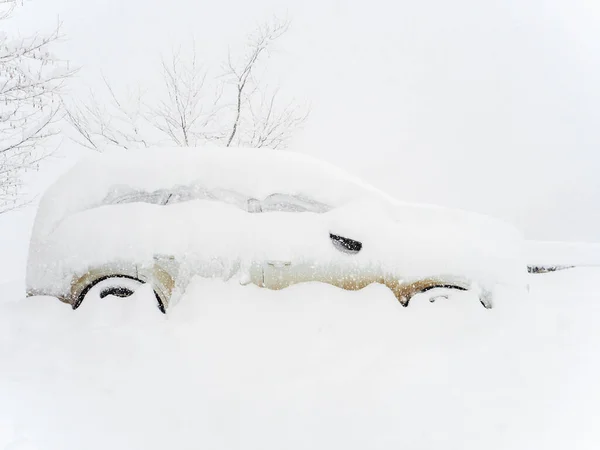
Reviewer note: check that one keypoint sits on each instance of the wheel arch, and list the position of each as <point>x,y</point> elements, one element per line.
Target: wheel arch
<point>161,281</point>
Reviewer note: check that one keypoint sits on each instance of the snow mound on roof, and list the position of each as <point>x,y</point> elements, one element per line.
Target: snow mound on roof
<point>254,172</point>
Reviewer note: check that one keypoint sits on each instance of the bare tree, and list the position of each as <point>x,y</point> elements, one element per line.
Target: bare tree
<point>119,122</point>
<point>242,72</point>
<point>186,114</point>
<point>30,82</point>
<point>192,110</point>
<point>272,126</point>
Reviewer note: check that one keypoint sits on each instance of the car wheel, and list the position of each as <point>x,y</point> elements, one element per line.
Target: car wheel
<point>405,291</point>
<point>117,285</point>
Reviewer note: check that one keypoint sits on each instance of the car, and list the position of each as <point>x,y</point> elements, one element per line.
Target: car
<point>271,218</point>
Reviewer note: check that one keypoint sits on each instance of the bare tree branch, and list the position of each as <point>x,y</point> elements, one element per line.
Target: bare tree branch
<point>6,8</point>
<point>31,79</point>
<point>272,127</point>
<point>259,43</point>
<point>194,109</point>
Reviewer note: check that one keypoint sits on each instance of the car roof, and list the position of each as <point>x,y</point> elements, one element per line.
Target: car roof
<point>256,173</point>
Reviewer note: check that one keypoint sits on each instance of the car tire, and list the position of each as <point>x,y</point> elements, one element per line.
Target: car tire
<point>117,285</point>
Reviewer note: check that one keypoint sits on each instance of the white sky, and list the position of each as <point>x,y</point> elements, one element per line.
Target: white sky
<point>486,105</point>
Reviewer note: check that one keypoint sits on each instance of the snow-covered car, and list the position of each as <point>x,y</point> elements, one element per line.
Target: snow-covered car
<point>271,218</point>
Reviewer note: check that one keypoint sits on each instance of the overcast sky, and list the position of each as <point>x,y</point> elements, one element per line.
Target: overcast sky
<point>485,105</point>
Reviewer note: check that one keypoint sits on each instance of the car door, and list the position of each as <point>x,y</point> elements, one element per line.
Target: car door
<point>279,270</point>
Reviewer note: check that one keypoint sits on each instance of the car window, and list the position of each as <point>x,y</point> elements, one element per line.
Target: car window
<point>254,205</point>
<point>179,194</point>
<point>292,203</point>
<point>125,194</point>
<point>184,194</point>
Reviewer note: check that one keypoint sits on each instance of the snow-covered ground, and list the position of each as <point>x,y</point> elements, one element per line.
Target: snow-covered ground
<point>309,367</point>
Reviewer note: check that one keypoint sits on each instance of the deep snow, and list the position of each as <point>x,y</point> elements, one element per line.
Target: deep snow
<point>308,367</point>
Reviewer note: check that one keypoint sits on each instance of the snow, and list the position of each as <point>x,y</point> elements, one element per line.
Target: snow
<point>563,253</point>
<point>77,227</point>
<point>257,173</point>
<point>308,367</point>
